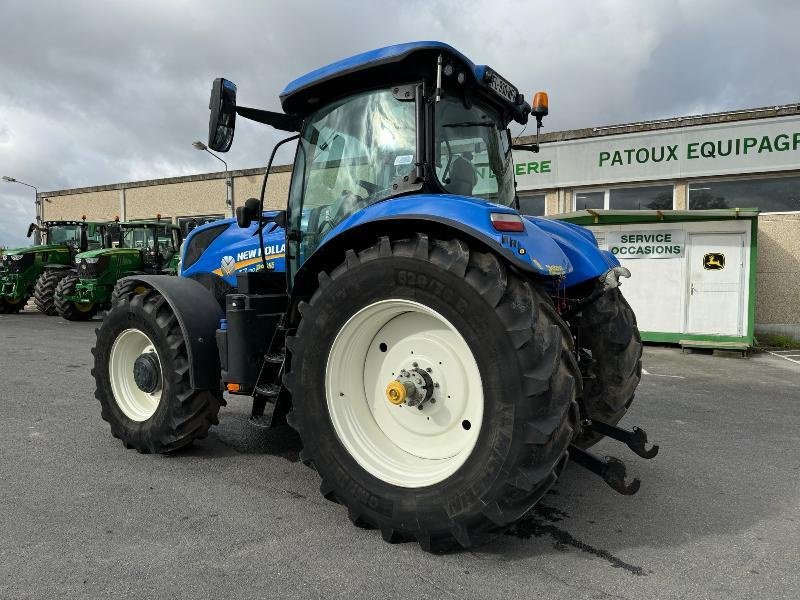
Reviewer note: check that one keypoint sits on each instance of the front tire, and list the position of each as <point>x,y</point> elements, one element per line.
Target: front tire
<point>607,334</point>
<point>72,311</point>
<point>507,383</point>
<point>13,307</point>
<point>155,410</point>
<point>44,294</point>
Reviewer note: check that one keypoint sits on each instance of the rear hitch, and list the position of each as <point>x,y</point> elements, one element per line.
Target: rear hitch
<point>636,439</point>
<point>611,469</point>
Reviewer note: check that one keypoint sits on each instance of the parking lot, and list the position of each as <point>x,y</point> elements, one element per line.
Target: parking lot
<point>238,516</point>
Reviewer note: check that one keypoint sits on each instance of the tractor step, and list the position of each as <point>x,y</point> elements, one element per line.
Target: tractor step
<point>611,469</point>
<point>636,439</point>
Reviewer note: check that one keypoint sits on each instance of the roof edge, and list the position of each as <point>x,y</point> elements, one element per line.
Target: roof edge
<point>749,114</point>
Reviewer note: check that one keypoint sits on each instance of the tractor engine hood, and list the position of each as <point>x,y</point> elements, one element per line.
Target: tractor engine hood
<point>106,252</point>
<point>35,249</point>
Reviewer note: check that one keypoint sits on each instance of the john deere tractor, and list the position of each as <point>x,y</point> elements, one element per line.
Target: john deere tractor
<point>142,248</point>
<point>37,270</point>
<point>441,355</point>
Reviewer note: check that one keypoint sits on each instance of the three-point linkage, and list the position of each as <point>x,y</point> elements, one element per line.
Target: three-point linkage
<point>611,469</point>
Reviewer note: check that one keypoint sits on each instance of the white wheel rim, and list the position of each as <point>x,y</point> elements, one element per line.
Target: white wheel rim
<point>137,404</point>
<point>400,444</point>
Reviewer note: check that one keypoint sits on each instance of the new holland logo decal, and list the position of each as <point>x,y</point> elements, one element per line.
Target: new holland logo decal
<point>250,260</point>
<point>228,265</point>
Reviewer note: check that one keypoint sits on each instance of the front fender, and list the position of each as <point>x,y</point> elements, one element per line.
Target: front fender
<point>198,314</point>
<point>532,250</point>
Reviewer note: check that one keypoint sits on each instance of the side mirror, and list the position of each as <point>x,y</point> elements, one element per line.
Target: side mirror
<point>31,228</point>
<point>222,120</point>
<point>248,213</point>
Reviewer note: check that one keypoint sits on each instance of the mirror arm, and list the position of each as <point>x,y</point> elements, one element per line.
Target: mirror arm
<point>277,120</point>
<point>528,147</point>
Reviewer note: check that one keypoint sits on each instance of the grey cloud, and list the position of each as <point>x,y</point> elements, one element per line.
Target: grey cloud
<point>100,92</point>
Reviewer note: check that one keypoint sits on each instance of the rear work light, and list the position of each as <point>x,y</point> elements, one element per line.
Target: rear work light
<point>507,222</point>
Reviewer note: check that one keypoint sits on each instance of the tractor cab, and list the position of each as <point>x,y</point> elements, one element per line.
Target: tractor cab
<point>416,118</point>
<point>157,243</point>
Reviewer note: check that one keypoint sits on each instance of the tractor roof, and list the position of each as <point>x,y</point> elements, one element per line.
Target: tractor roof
<point>401,63</point>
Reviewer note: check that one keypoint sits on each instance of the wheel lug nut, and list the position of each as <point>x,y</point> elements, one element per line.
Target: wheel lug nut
<point>429,370</point>
<point>419,407</point>
<point>415,365</point>
<point>436,385</point>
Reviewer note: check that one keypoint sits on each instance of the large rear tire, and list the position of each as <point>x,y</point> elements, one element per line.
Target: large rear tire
<point>141,371</point>
<point>607,333</point>
<point>504,381</point>
<point>44,294</point>
<point>72,311</point>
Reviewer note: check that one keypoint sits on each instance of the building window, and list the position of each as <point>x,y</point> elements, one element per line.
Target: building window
<point>647,197</point>
<point>532,204</point>
<point>595,200</point>
<point>778,194</point>
<point>654,197</point>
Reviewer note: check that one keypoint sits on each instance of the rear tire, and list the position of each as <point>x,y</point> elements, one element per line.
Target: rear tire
<point>67,309</point>
<point>607,330</point>
<point>527,374</point>
<point>173,414</point>
<point>44,294</point>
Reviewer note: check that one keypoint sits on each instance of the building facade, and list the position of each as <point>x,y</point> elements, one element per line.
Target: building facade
<point>742,159</point>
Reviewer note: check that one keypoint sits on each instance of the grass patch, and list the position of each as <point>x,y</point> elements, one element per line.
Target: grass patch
<point>777,341</point>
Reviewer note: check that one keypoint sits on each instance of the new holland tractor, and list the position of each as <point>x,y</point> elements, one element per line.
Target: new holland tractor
<point>141,248</point>
<point>441,356</point>
<point>37,270</point>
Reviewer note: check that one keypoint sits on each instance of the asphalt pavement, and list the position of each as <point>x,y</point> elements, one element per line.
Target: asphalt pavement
<point>238,516</point>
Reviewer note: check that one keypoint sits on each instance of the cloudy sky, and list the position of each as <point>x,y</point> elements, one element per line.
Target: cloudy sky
<point>109,91</point>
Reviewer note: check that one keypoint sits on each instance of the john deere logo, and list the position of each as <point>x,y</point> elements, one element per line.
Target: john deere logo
<point>714,261</point>
<point>228,265</point>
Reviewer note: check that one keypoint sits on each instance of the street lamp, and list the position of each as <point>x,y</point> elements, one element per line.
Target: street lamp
<point>228,178</point>
<point>37,204</point>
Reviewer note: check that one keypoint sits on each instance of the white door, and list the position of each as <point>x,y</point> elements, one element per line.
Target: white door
<point>716,277</point>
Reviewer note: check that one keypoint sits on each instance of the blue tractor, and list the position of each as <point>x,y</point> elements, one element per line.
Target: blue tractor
<point>440,355</point>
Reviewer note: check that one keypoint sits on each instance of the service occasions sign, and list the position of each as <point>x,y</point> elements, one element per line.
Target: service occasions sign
<point>664,243</point>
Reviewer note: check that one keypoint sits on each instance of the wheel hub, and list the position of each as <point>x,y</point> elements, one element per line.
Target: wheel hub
<point>413,386</point>
<point>147,372</point>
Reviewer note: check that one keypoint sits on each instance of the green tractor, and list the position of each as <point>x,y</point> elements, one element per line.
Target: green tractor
<point>141,248</point>
<point>37,270</point>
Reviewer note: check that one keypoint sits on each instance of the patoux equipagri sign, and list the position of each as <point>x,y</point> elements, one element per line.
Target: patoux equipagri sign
<point>729,148</point>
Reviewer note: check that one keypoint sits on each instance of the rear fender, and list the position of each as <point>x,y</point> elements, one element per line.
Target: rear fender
<point>531,250</point>
<point>198,314</point>
<point>545,249</point>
